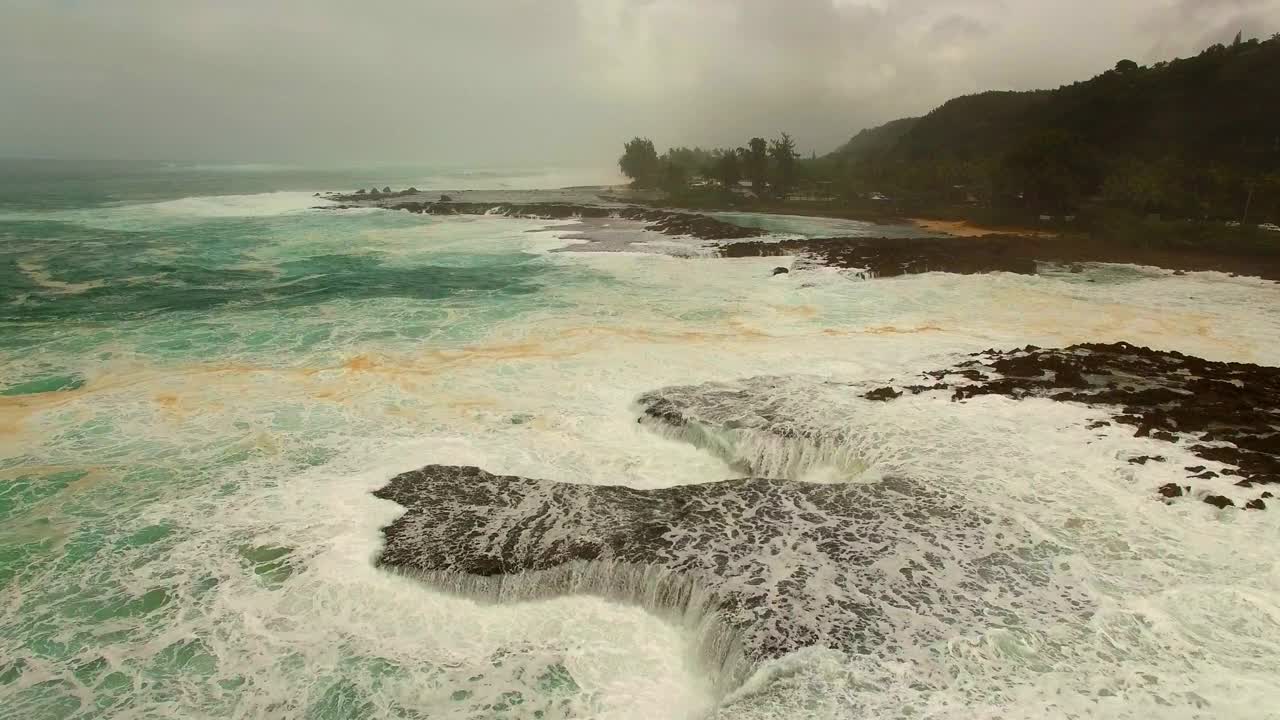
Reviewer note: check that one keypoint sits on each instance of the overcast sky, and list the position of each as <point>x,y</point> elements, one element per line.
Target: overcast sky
<point>539,81</point>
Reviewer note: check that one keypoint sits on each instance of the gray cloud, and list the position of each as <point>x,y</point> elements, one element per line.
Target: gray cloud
<point>530,81</point>
<point>958,29</point>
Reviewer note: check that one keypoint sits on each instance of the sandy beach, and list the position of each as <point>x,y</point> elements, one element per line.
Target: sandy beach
<point>962,228</point>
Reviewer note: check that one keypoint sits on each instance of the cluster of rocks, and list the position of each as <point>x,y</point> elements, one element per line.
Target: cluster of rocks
<point>888,257</point>
<point>372,193</point>
<point>1228,413</point>
<point>668,222</point>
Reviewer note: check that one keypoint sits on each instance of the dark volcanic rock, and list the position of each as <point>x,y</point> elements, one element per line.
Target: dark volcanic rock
<point>1171,490</point>
<point>1144,459</point>
<point>882,394</point>
<point>669,222</point>
<point>1218,501</point>
<point>1229,411</point>
<point>780,271</point>
<point>887,257</point>
<point>777,565</point>
<point>1226,413</point>
<point>1255,505</point>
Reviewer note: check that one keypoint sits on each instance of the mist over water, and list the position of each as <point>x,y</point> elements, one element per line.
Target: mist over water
<point>202,380</point>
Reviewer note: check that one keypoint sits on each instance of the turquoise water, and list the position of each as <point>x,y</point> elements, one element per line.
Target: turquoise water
<point>202,379</point>
<point>56,184</point>
<point>167,355</point>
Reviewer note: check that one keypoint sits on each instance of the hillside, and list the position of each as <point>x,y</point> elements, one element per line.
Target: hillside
<point>1197,138</point>
<point>875,141</point>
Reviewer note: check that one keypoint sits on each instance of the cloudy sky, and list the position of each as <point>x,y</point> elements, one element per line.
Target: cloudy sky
<point>539,81</point>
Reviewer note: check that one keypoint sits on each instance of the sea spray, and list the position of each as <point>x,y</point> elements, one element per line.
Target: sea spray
<point>762,453</point>
<point>676,597</point>
<point>212,409</point>
<point>757,568</point>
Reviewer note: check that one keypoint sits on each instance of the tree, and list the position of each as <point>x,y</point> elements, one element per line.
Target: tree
<point>1126,66</point>
<point>783,154</point>
<point>727,172</point>
<point>692,160</point>
<point>1054,169</point>
<point>1137,186</point>
<point>755,165</point>
<point>639,162</point>
<point>673,177</point>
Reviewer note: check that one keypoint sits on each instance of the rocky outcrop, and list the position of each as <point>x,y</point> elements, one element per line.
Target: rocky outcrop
<point>362,195</point>
<point>668,222</point>
<point>757,567</point>
<point>889,257</point>
<point>1223,412</point>
<point>783,426</point>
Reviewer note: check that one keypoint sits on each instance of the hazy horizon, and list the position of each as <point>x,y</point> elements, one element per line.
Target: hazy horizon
<point>520,83</point>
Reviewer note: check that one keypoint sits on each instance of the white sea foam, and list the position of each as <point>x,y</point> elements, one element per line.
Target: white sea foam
<point>182,211</point>
<point>1186,616</point>
<point>222,206</point>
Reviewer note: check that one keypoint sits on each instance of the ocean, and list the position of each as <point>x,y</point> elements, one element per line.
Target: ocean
<point>203,378</point>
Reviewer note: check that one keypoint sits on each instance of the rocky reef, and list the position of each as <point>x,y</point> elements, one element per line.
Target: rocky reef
<point>669,222</point>
<point>1227,413</point>
<point>889,257</point>
<point>759,567</point>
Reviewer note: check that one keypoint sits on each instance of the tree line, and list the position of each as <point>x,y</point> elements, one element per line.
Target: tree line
<point>770,167</point>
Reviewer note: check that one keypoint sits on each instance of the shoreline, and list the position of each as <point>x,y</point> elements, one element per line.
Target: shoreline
<point>960,248</point>
<point>967,255</point>
<point>667,222</point>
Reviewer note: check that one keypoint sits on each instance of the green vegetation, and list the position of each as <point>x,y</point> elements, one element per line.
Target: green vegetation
<point>782,158</point>
<point>640,162</point>
<point>1194,138</point>
<point>771,168</point>
<point>1187,148</point>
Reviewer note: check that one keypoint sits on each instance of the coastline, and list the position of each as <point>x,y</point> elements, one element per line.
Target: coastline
<point>952,245</point>
<point>888,257</point>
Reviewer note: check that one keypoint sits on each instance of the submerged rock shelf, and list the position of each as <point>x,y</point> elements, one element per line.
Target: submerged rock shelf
<point>757,567</point>
<point>668,222</point>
